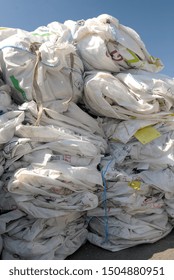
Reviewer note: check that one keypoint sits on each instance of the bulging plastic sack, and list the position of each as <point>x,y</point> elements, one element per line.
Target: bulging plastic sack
<point>105,44</point>
<point>41,71</point>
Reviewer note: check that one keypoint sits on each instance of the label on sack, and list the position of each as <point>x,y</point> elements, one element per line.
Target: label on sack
<point>147,134</point>
<point>135,185</point>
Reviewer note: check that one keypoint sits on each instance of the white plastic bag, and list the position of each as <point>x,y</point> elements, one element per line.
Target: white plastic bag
<point>41,71</point>
<point>107,45</point>
<point>108,95</point>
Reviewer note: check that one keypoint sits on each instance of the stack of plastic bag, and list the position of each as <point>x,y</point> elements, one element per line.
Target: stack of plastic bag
<point>52,149</point>
<point>137,203</point>
<point>136,111</point>
<point>50,158</point>
<point>51,174</point>
<point>131,209</point>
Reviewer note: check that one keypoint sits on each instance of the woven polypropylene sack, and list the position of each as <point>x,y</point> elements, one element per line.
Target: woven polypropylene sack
<point>105,44</point>
<point>41,71</point>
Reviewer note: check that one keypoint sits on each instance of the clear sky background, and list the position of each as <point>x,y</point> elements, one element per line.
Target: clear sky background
<point>153,20</point>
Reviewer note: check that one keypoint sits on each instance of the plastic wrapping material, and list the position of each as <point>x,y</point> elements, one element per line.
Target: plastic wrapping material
<point>68,119</point>
<point>163,179</point>
<point>125,131</point>
<point>105,44</point>
<point>112,96</point>
<point>56,238</point>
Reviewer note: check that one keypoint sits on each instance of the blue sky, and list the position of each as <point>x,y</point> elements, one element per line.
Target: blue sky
<point>153,20</point>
